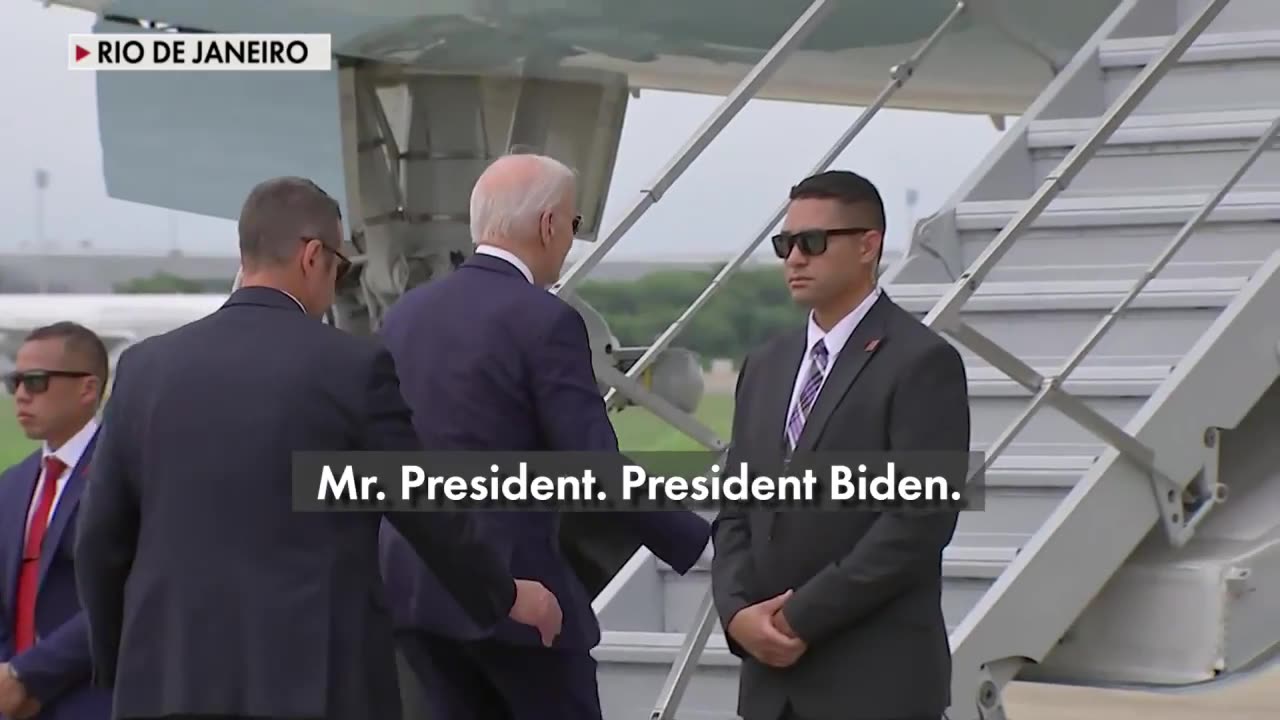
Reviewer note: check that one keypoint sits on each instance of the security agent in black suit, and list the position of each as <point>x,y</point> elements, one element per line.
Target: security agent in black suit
<point>837,615</point>
<point>207,595</point>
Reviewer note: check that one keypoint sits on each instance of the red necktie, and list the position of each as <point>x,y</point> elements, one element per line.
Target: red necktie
<point>29,579</point>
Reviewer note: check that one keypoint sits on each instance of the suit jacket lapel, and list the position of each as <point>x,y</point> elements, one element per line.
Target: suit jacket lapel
<point>15,503</point>
<point>777,402</point>
<point>858,350</point>
<point>66,507</point>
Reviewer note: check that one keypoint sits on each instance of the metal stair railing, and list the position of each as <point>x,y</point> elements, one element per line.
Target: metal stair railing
<point>899,75</point>
<point>628,384</point>
<point>1174,502</point>
<point>945,316</point>
<point>702,137</point>
<point>747,88</point>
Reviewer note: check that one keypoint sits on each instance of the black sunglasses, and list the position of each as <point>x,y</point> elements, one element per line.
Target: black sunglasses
<point>37,381</point>
<point>810,242</point>
<point>344,263</point>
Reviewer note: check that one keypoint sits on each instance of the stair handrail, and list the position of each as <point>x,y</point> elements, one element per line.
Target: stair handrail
<point>944,316</point>
<point>898,77</point>
<point>927,231</point>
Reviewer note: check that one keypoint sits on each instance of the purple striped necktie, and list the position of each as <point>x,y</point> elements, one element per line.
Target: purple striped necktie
<point>808,394</point>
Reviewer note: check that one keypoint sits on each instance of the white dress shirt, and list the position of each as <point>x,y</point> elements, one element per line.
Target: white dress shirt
<point>834,339</point>
<point>301,307</point>
<point>70,454</point>
<point>504,254</point>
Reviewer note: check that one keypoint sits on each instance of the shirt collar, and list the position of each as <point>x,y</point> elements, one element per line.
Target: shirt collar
<point>504,254</point>
<point>73,449</point>
<point>301,307</point>
<point>836,338</point>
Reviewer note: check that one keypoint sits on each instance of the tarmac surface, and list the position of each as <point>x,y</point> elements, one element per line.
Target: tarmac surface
<point>1256,698</point>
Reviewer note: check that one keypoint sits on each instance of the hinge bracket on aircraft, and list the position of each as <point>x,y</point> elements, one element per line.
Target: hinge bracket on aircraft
<point>990,700</point>
<point>1183,509</point>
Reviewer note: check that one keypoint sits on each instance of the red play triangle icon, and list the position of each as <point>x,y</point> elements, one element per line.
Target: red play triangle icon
<point>81,53</point>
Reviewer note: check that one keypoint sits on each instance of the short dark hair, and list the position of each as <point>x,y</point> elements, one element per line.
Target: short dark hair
<point>80,342</point>
<point>280,212</point>
<point>849,189</point>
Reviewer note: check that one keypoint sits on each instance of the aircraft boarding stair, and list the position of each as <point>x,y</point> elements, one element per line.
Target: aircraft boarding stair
<point>1156,407</point>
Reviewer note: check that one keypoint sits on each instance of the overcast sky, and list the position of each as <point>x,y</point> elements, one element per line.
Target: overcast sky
<point>48,120</point>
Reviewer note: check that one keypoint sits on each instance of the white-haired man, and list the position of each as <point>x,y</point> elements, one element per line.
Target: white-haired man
<point>490,361</point>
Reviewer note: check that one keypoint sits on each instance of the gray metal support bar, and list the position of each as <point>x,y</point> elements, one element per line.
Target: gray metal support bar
<point>690,650</point>
<point>390,148</point>
<point>642,396</point>
<point>1069,405</point>
<point>348,107</point>
<point>947,310</point>
<point>746,89</point>
<point>898,74</point>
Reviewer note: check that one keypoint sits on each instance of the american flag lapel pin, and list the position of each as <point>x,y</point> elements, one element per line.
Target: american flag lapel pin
<point>872,345</point>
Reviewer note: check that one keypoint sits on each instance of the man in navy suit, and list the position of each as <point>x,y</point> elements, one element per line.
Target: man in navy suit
<point>207,594</point>
<point>45,666</point>
<point>490,360</point>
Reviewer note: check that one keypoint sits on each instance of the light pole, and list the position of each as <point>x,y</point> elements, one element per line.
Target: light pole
<point>42,183</point>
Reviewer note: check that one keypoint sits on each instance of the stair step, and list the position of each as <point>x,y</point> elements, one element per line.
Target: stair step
<point>1089,380</point>
<point>1118,237</point>
<point>1121,210</point>
<point>970,564</point>
<point>1044,322</point>
<point>1161,154</point>
<point>969,555</point>
<point>1196,81</point>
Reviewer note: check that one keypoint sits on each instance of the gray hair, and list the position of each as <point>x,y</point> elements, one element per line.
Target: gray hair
<point>510,207</point>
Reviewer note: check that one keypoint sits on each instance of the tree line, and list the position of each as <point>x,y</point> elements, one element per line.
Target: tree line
<point>751,307</point>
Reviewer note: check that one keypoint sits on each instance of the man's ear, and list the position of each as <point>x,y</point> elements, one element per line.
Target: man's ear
<point>310,255</point>
<point>545,229</point>
<point>875,245</point>
<point>93,388</point>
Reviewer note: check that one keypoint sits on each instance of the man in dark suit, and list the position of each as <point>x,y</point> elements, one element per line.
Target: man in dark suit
<point>206,593</point>
<point>838,614</point>
<point>492,361</point>
<point>57,384</point>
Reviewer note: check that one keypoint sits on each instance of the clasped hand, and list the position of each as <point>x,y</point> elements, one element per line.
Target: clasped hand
<point>14,701</point>
<point>763,631</point>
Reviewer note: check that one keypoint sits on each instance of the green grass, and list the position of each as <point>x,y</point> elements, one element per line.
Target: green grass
<point>641,431</point>
<point>13,444</point>
<point>638,429</point>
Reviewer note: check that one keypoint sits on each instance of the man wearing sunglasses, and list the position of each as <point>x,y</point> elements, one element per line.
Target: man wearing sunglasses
<point>207,595</point>
<point>837,614</point>
<point>57,385</point>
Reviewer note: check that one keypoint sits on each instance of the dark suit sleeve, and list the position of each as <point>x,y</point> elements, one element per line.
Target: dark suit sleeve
<point>107,530</point>
<point>6,641</point>
<point>731,539</point>
<point>929,412</point>
<point>448,542</point>
<point>59,662</point>
<point>574,417</point>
